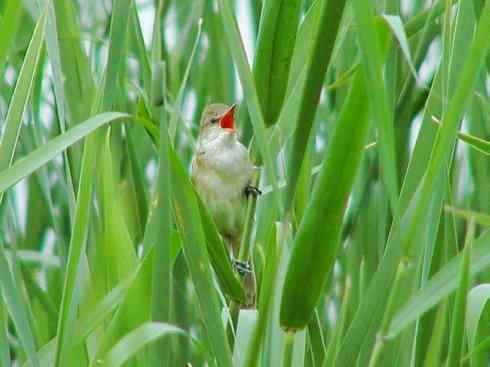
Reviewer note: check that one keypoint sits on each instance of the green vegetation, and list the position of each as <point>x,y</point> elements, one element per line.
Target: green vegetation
<point>369,122</point>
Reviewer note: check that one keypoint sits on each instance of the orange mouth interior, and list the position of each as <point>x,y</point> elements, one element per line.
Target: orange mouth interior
<point>227,121</point>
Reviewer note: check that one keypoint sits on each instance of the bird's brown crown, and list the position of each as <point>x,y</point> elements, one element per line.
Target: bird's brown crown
<point>218,115</point>
<point>213,112</point>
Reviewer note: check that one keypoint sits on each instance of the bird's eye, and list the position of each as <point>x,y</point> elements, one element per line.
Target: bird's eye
<point>214,120</point>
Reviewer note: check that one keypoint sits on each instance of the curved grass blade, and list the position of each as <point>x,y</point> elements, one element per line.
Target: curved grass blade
<point>480,348</point>
<point>88,322</point>
<point>137,339</point>
<point>474,142</point>
<point>443,283</point>
<point>18,103</point>
<point>42,155</point>
<point>140,49</point>
<point>479,218</point>
<point>396,25</point>
<point>111,301</point>
<point>418,22</point>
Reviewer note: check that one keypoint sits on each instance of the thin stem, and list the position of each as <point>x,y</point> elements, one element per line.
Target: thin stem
<point>288,349</point>
<point>245,246</point>
<point>380,338</point>
<point>267,299</point>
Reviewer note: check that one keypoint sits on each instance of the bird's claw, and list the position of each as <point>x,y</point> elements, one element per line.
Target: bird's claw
<point>252,190</point>
<point>242,267</point>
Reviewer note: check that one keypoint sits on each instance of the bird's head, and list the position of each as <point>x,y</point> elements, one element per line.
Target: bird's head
<point>217,119</point>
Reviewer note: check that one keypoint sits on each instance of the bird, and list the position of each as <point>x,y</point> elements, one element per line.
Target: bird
<point>221,171</point>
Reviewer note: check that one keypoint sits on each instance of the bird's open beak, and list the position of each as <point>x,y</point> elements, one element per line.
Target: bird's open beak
<point>227,121</point>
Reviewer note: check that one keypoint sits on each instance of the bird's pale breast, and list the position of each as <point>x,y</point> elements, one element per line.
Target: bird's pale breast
<point>220,170</point>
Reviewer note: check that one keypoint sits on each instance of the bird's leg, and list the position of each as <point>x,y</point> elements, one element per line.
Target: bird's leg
<point>242,267</point>
<point>252,190</point>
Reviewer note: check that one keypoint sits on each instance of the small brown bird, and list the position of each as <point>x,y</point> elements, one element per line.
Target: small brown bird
<point>221,172</point>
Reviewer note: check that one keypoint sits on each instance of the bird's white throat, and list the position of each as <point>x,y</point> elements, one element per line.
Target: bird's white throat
<point>222,152</point>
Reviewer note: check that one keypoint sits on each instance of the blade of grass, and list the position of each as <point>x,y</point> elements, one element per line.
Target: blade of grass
<point>482,347</point>
<point>53,49</point>
<point>474,142</point>
<point>380,345</point>
<point>417,22</point>
<point>158,229</point>
<point>4,344</point>
<point>372,60</point>
<point>174,119</point>
<point>330,15</point>
<point>288,349</point>
<point>456,337</point>
<point>219,256</point>
<point>9,23</point>
<point>312,262</point>
<point>74,64</point>
<point>88,322</point>
<point>334,344</point>
<point>18,103</point>
<point>27,165</point>
<point>434,350</point>
<point>17,309</point>
<point>137,339</point>
<point>76,250</point>
<point>443,283</point>
<point>266,299</point>
<point>75,68</point>
<point>140,49</point>
<point>396,25</point>
<point>275,44</point>
<point>479,218</point>
<point>477,318</point>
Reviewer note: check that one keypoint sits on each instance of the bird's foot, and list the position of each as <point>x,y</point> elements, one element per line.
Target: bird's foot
<point>242,267</point>
<point>252,190</point>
